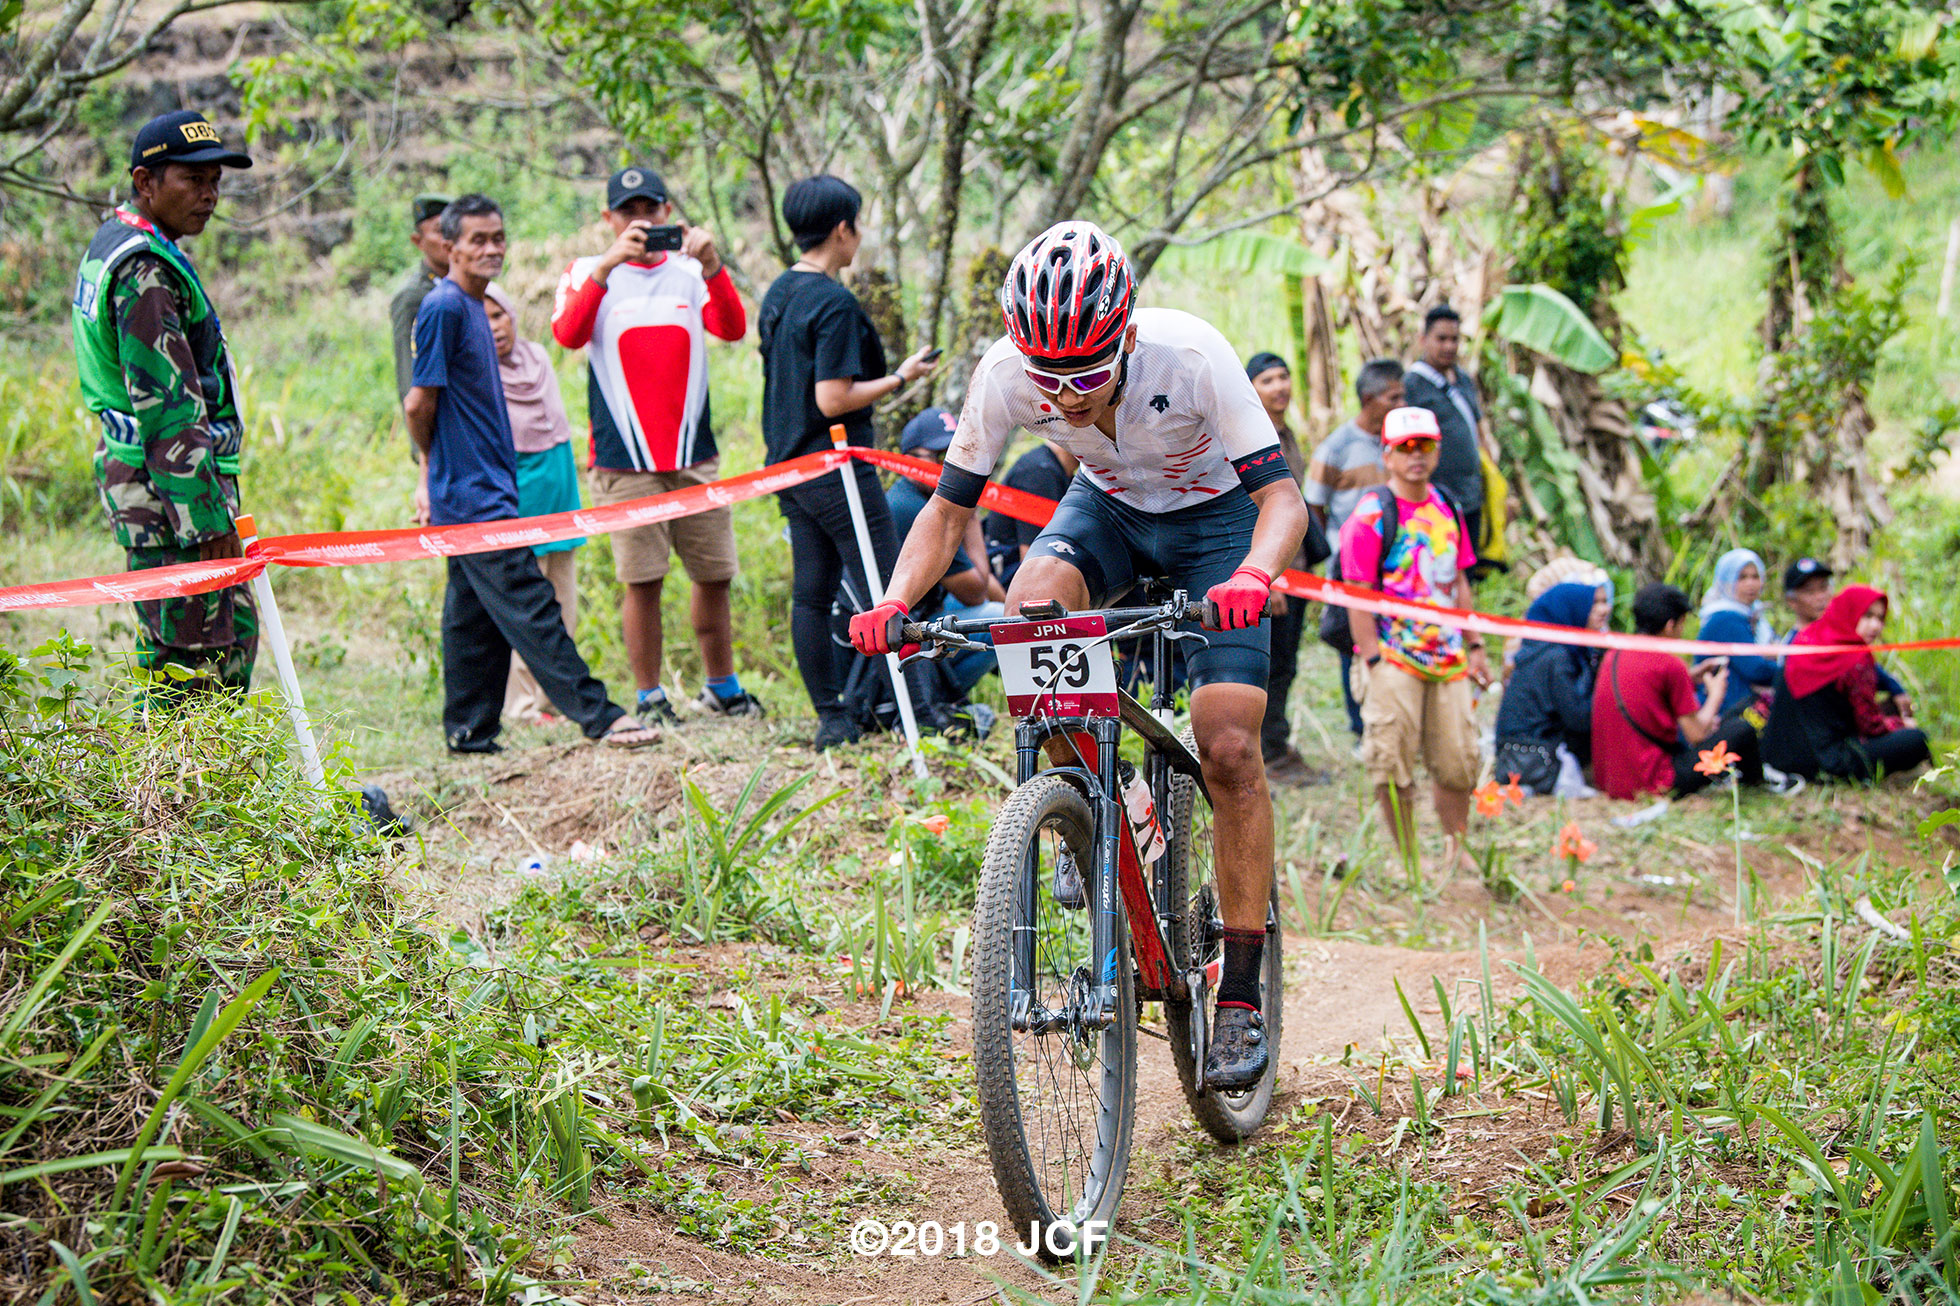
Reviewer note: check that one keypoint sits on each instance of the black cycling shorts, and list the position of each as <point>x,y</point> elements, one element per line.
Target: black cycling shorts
<point>1194,548</point>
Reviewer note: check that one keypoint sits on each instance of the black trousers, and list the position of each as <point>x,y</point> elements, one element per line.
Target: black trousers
<point>1276,732</point>
<point>499,603</point>
<point>823,548</point>
<point>1866,759</point>
<point>1740,736</point>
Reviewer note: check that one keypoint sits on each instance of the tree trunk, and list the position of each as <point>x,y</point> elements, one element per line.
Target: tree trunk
<point>959,87</point>
<point>1595,427</point>
<point>1825,451</point>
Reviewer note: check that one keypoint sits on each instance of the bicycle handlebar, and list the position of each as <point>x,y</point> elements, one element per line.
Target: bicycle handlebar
<point>899,632</point>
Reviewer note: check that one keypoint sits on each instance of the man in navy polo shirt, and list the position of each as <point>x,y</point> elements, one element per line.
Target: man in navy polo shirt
<point>497,602</point>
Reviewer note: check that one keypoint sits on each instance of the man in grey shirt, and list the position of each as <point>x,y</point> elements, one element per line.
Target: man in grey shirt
<point>1345,465</point>
<point>1436,382</point>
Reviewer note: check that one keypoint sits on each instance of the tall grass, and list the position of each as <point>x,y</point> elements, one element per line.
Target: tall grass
<point>232,1062</point>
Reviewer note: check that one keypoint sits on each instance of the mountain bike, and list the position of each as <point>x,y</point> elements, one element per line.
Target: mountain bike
<point>1097,895</point>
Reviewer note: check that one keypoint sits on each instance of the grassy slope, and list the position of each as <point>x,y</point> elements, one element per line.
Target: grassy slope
<point>1385,1222</point>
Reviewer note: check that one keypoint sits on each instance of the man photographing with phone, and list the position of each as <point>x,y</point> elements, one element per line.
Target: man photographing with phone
<point>640,310</point>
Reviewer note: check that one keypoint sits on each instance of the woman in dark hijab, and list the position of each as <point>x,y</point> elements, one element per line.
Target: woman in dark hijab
<point>1546,713</point>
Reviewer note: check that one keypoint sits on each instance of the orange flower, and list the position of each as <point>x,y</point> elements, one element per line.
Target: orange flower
<point>1714,761</point>
<point>1573,845</point>
<point>1490,799</point>
<point>1513,792</point>
<point>937,823</point>
<point>1567,887</point>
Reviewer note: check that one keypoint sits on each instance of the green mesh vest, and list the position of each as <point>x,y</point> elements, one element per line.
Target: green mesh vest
<point>100,349</point>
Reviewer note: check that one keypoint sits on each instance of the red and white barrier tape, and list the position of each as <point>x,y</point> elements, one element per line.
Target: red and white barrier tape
<point>354,548</point>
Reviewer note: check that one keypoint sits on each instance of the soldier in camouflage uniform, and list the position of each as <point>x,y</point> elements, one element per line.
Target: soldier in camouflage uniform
<point>154,368</point>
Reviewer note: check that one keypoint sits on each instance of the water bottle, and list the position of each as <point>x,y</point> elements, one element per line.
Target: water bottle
<point>1137,804</point>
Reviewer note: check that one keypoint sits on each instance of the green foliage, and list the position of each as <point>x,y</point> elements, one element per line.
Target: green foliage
<point>1560,231</point>
<point>1541,319</point>
<point>195,937</point>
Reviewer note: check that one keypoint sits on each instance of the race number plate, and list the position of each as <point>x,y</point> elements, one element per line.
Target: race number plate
<point>1030,655</point>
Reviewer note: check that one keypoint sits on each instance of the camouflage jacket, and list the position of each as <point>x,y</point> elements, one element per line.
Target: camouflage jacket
<point>154,367</point>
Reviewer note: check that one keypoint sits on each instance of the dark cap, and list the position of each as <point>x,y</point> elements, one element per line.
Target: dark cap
<point>1262,363</point>
<point>929,432</point>
<point>186,136</point>
<point>426,206</point>
<point>628,182</point>
<point>1802,572</point>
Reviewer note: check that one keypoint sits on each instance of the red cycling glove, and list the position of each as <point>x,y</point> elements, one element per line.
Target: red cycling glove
<point>871,631</point>
<point>1241,601</point>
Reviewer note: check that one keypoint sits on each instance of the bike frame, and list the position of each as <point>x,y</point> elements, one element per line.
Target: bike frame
<point>1095,741</point>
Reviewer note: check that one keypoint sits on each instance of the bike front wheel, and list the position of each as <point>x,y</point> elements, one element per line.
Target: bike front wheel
<point>1057,1074</point>
<point>1197,942</point>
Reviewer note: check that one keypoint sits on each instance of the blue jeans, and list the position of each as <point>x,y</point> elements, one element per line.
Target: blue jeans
<point>966,669</point>
<point>1347,695</point>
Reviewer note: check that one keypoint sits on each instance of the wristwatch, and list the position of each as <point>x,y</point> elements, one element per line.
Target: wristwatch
<point>1373,660</point>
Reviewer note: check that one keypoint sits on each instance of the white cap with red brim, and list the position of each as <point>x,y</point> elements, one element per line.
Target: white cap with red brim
<point>1404,424</point>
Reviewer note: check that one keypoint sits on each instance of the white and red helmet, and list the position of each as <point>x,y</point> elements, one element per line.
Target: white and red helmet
<point>1069,294</point>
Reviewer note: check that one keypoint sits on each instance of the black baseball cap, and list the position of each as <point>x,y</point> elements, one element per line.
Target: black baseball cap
<point>426,206</point>
<point>931,431</point>
<point>185,136</point>
<point>1802,572</point>
<point>629,182</point>
<point>1261,363</point>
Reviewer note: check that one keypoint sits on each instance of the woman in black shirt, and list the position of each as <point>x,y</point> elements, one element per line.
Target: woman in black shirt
<point>823,364</point>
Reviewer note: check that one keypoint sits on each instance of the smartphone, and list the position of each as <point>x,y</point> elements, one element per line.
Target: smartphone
<point>661,237</point>
<point>932,356</point>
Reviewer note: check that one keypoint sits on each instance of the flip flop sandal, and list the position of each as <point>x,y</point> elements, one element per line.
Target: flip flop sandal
<point>633,736</point>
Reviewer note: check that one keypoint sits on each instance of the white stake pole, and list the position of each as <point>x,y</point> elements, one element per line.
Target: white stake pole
<point>904,693</point>
<point>273,631</point>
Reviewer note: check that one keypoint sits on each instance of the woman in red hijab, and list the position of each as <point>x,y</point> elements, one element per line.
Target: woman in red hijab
<point>1826,718</point>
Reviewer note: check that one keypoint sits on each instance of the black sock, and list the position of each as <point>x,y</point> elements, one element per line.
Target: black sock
<point>1244,950</point>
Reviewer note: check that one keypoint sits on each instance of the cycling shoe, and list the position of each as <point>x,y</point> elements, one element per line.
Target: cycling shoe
<point>1068,881</point>
<point>1238,1056</point>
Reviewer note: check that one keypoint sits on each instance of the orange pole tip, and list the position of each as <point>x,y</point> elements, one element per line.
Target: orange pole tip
<point>247,528</point>
<point>837,436</point>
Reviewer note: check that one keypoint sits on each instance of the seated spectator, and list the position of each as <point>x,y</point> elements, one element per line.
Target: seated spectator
<point>1546,714</point>
<point>966,591</point>
<point>1557,572</point>
<point>1807,592</point>
<point>1732,613</point>
<point>1825,718</point>
<point>547,477</point>
<point>1343,467</point>
<point>1647,728</point>
<point>1044,470</point>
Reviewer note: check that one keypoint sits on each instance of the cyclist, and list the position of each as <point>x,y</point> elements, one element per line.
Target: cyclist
<point>1181,477</point>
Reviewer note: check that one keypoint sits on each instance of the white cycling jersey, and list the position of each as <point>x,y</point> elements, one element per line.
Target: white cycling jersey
<point>1187,419</point>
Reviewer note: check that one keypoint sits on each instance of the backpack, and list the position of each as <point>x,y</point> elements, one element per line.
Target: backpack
<point>1334,631</point>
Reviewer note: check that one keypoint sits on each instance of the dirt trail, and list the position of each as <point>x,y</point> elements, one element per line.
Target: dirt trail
<point>1341,1003</point>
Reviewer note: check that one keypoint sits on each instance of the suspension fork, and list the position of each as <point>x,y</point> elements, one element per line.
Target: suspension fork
<point>1105,925</point>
